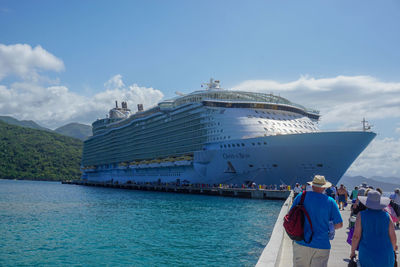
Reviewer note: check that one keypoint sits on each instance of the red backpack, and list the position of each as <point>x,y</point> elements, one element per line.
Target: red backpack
<point>294,221</point>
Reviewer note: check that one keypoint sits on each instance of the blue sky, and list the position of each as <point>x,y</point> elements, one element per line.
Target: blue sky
<point>63,61</point>
<point>173,45</point>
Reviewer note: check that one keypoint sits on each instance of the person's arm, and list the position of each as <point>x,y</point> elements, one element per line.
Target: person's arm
<point>338,225</point>
<point>356,236</point>
<point>392,235</point>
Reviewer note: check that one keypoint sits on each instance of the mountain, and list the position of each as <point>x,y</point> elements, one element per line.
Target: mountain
<point>76,130</point>
<point>38,155</point>
<point>351,181</point>
<point>23,123</point>
<point>392,180</point>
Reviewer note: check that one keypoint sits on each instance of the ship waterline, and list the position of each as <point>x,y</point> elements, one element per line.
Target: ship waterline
<point>219,136</point>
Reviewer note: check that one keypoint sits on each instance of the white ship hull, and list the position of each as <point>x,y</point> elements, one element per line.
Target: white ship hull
<point>265,160</point>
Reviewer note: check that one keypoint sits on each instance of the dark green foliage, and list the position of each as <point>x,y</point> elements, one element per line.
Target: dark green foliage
<point>38,155</point>
<point>77,130</point>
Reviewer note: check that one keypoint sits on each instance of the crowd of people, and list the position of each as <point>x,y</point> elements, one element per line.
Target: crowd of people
<point>372,223</point>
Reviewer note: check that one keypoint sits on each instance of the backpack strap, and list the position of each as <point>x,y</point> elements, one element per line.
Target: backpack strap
<point>303,196</point>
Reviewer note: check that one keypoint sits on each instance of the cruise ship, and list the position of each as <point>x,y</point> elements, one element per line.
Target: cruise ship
<point>218,136</point>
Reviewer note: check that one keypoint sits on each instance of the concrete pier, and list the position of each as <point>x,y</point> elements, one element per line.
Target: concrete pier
<point>254,193</point>
<point>279,250</point>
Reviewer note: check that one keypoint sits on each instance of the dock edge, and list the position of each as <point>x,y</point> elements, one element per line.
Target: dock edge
<point>272,252</point>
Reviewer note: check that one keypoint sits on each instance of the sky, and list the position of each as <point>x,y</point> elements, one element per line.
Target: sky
<point>68,61</point>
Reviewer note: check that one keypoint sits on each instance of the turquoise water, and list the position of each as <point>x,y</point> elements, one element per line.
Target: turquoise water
<point>49,224</point>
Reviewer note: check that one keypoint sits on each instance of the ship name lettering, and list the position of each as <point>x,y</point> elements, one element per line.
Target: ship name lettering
<point>235,156</point>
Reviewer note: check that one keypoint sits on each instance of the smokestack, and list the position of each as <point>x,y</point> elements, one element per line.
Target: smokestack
<point>140,107</point>
<point>116,104</point>
<point>124,105</point>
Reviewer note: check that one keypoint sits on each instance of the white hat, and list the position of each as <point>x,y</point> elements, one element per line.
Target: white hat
<point>319,181</point>
<point>374,200</point>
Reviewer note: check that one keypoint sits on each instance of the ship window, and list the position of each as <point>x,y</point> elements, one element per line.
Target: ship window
<point>265,143</point>
<point>259,143</point>
<point>253,144</point>
<point>220,146</point>
<point>229,145</point>
<point>275,165</point>
<point>242,144</point>
<point>238,145</point>
<point>320,165</point>
<point>233,145</point>
<point>225,146</point>
<point>251,165</point>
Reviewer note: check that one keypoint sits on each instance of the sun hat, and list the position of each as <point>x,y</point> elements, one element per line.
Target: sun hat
<point>374,200</point>
<point>319,181</point>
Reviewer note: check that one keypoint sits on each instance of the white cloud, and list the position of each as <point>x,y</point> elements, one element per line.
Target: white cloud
<point>54,106</point>
<point>342,100</point>
<point>380,158</point>
<point>26,62</point>
<point>115,82</point>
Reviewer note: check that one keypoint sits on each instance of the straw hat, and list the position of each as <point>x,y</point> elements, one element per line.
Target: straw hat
<point>374,200</point>
<point>319,181</point>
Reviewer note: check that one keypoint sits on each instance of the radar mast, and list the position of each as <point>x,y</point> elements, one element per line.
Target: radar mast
<point>212,85</point>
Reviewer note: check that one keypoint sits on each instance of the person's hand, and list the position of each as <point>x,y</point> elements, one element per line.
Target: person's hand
<point>352,254</point>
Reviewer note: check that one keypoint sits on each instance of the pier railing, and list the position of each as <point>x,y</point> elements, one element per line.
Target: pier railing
<point>272,252</point>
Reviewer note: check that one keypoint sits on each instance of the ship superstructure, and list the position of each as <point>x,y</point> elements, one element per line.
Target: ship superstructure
<point>218,136</point>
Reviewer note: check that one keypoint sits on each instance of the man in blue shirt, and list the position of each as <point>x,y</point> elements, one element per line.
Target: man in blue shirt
<point>322,209</point>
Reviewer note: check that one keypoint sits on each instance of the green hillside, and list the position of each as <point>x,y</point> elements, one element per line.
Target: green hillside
<point>38,155</point>
<point>23,123</point>
<point>77,130</point>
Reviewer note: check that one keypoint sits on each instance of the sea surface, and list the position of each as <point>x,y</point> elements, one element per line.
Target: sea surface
<point>51,224</point>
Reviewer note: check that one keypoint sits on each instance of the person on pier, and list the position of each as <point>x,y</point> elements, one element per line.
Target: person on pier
<point>315,248</point>
<point>374,233</point>
<point>342,196</point>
